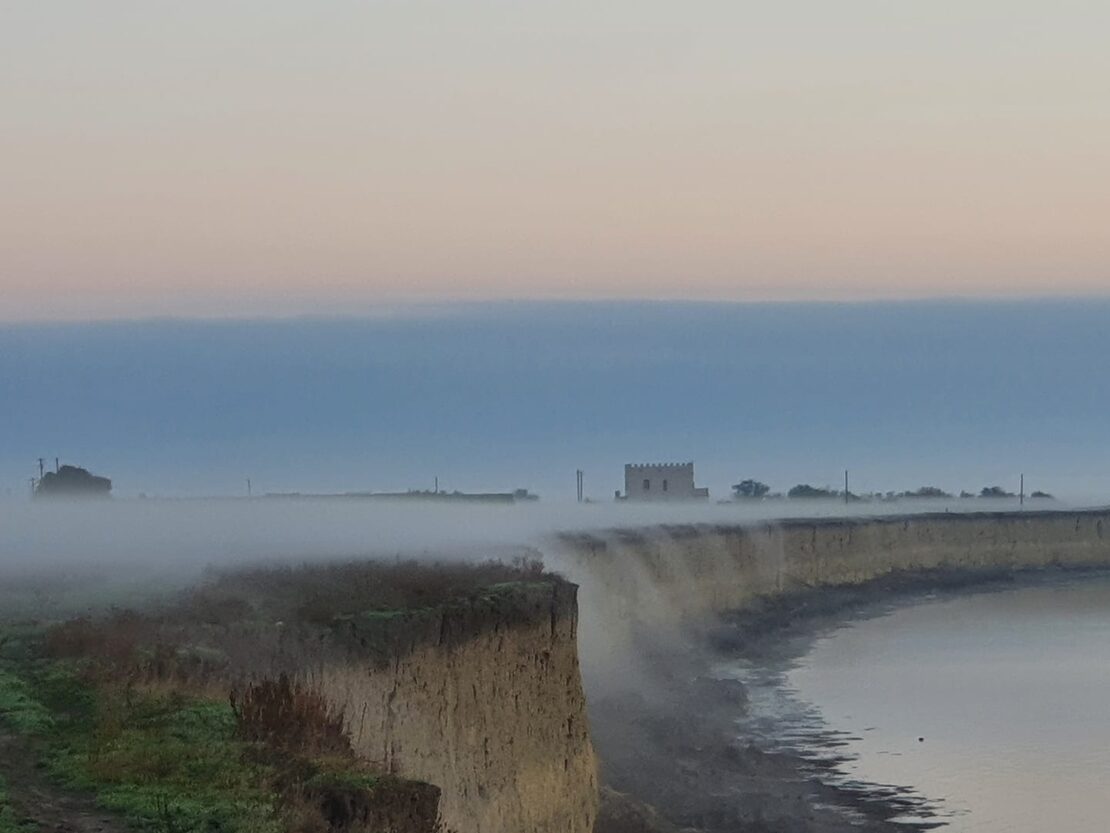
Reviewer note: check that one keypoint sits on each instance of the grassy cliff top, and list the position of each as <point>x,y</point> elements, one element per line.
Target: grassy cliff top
<point>321,593</point>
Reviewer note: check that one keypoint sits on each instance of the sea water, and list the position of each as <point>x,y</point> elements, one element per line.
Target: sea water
<point>995,707</point>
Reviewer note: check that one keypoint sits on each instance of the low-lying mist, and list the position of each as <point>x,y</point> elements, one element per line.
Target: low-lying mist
<point>81,554</point>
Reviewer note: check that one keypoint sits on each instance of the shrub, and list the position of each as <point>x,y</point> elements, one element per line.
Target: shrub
<point>113,640</point>
<point>287,716</point>
<point>805,491</point>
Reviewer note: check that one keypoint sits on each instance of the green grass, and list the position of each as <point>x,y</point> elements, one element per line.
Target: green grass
<point>503,587</point>
<point>18,707</point>
<point>163,762</point>
<point>9,822</point>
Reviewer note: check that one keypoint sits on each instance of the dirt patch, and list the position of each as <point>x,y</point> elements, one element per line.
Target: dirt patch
<point>42,805</point>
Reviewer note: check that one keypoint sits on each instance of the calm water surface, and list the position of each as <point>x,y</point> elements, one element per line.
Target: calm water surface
<point>996,706</point>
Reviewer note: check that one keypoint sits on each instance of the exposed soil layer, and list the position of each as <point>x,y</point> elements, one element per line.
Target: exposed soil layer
<point>393,805</point>
<point>679,744</point>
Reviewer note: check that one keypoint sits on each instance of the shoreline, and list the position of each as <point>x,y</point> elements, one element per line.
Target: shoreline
<point>711,754</point>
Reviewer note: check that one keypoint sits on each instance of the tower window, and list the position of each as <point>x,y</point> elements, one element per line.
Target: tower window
<point>647,485</point>
<point>664,484</point>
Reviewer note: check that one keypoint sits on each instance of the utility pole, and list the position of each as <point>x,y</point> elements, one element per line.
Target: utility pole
<point>32,487</point>
<point>1023,490</point>
<point>248,487</point>
<point>57,467</point>
<point>437,484</point>
<point>578,480</point>
<point>846,493</point>
<point>42,462</point>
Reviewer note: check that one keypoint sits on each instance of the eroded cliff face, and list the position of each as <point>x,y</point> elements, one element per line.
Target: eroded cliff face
<point>656,579</point>
<point>651,638</point>
<point>483,699</point>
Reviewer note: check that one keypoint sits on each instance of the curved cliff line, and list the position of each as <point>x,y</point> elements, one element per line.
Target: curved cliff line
<point>659,578</point>
<point>484,698</point>
<point>665,728</point>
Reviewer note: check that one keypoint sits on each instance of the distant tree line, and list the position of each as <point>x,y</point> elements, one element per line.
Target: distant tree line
<point>756,490</point>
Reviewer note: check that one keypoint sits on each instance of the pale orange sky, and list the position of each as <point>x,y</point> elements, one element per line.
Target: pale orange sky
<point>285,157</point>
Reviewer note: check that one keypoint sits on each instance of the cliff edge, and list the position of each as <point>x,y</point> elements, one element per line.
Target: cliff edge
<point>481,697</point>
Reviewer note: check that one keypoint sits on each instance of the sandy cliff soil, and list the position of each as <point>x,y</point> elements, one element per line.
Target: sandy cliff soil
<point>486,702</point>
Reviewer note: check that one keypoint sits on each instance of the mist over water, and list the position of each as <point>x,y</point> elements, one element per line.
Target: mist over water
<point>1007,691</point>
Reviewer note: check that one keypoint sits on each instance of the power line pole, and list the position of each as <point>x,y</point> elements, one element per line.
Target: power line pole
<point>248,487</point>
<point>42,463</point>
<point>579,474</point>
<point>846,492</point>
<point>1023,490</point>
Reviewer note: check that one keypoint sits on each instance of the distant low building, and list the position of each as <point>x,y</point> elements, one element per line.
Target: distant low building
<point>515,496</point>
<point>661,482</point>
<point>73,481</point>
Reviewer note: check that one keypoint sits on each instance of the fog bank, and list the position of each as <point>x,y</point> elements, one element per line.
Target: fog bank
<point>497,397</point>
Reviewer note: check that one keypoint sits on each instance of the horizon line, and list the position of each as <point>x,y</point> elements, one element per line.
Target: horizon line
<point>422,309</point>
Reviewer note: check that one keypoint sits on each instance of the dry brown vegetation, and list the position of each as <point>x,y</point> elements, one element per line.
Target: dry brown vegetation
<point>318,593</point>
<point>237,622</point>
<point>287,715</point>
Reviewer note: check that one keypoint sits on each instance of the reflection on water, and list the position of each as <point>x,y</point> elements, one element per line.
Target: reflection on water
<point>996,706</point>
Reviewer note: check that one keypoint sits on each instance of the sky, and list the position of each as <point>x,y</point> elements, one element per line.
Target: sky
<point>493,397</point>
<point>281,158</point>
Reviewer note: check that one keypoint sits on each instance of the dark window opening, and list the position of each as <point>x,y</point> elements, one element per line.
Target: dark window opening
<point>664,485</point>
<point>647,485</point>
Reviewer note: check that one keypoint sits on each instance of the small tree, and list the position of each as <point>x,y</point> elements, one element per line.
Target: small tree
<point>927,492</point>
<point>750,490</point>
<point>995,492</point>
<point>805,491</point>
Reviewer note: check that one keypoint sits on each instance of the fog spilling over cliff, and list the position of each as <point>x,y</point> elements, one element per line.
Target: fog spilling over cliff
<point>188,535</point>
<point>484,698</point>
